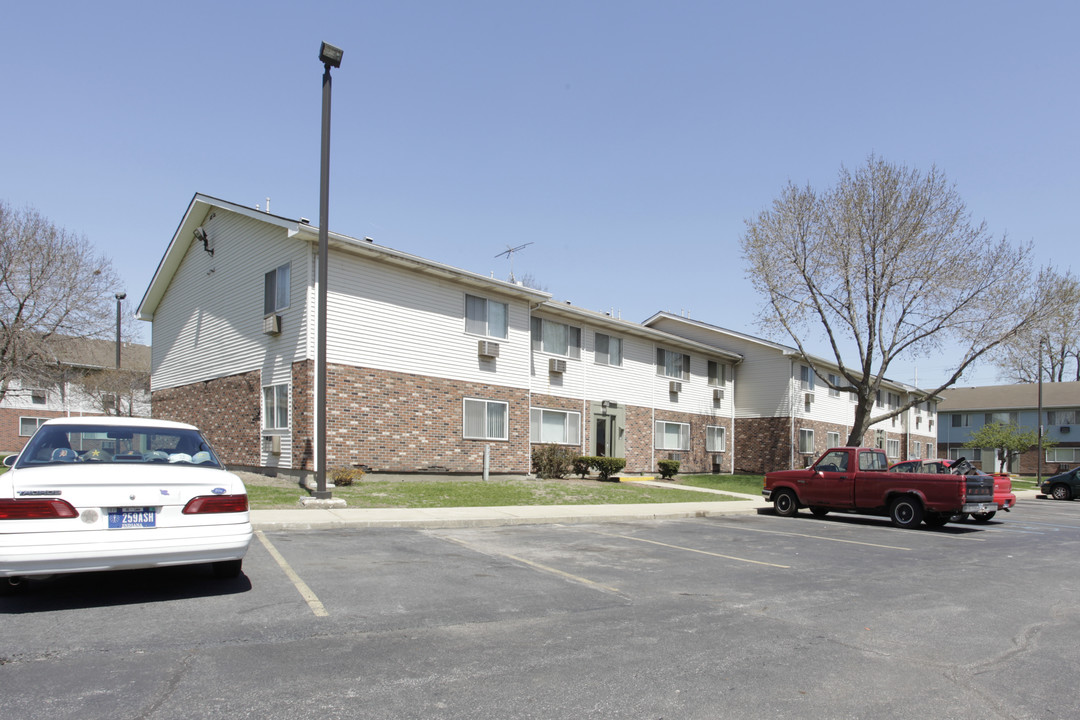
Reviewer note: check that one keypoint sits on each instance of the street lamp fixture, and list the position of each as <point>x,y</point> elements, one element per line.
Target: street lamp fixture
<point>329,56</point>
<point>119,298</point>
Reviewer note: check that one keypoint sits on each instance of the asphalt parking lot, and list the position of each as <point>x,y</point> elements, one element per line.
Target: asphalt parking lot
<point>749,616</point>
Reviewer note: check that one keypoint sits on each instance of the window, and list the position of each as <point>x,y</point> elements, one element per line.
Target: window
<point>806,441</point>
<point>1062,455</point>
<point>554,426</point>
<point>834,380</point>
<point>672,435</point>
<point>929,450</point>
<point>1005,418</point>
<point>485,419</point>
<point>892,448</point>
<point>832,439</point>
<point>715,439</point>
<point>1061,417</point>
<point>276,407</point>
<point>717,373</point>
<point>556,338</point>
<point>37,397</point>
<point>29,425</point>
<point>918,421</point>
<point>485,317</point>
<point>872,461</point>
<point>918,449</point>
<point>608,350</point>
<point>672,364</point>
<point>806,378</point>
<point>961,420</point>
<point>276,290</point>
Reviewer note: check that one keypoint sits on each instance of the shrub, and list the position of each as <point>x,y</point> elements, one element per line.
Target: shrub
<point>668,468</point>
<point>582,464</point>
<point>345,476</point>
<point>552,461</point>
<point>608,466</point>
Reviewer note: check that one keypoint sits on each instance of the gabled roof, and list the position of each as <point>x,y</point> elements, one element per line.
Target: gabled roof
<point>92,354</point>
<point>201,205</point>
<point>1010,397</point>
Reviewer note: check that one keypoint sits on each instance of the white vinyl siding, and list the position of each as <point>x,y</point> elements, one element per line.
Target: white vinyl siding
<point>715,439</point>
<point>554,426</point>
<point>485,317</point>
<point>672,435</point>
<point>484,419</point>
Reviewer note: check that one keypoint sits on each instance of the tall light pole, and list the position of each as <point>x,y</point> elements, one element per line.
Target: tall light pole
<point>119,298</point>
<point>1040,417</point>
<point>329,56</point>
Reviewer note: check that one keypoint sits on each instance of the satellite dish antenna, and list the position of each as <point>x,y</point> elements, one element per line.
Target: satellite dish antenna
<point>509,253</point>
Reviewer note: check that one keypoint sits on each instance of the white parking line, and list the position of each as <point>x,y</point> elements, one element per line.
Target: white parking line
<point>828,539</point>
<point>695,550</point>
<point>305,592</point>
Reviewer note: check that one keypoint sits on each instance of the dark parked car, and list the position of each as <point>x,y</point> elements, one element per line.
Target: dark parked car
<point>1065,486</point>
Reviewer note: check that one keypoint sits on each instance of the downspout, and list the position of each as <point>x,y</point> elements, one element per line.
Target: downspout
<point>791,412</point>
<point>732,417</point>
<point>532,361</point>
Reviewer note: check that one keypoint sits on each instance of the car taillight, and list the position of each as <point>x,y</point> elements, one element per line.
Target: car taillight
<point>36,509</point>
<point>216,504</point>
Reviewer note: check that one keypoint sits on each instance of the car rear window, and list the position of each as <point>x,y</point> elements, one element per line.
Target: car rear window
<point>58,444</point>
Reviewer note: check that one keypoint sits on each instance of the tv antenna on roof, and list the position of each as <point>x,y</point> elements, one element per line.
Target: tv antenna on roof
<point>509,253</point>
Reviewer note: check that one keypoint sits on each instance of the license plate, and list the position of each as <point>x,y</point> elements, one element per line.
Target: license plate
<point>132,518</point>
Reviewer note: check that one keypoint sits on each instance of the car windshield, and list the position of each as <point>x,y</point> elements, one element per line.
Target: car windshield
<point>59,444</point>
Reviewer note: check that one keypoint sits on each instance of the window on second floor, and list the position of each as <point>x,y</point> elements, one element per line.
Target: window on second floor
<point>961,420</point>
<point>1061,417</point>
<point>485,317</point>
<point>608,350</point>
<point>718,373</point>
<point>556,338</point>
<point>37,397</point>
<point>806,378</point>
<point>834,380</point>
<point>1005,418</point>
<point>276,290</point>
<point>672,364</point>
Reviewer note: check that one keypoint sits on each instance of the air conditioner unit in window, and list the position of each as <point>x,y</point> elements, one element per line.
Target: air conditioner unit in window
<point>556,365</point>
<point>718,394</point>
<point>808,398</point>
<point>272,325</point>
<point>675,386</point>
<point>486,348</point>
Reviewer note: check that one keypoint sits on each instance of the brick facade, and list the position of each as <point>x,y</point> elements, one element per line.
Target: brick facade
<point>762,444</point>
<point>696,459</point>
<point>10,440</point>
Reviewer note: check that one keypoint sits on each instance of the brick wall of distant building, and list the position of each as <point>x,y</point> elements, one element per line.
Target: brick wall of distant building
<point>696,459</point>
<point>10,439</point>
<point>762,444</point>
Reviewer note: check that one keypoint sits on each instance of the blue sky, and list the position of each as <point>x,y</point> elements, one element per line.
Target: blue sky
<point>628,141</point>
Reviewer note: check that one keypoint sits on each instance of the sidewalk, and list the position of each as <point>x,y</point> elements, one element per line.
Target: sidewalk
<point>319,518</point>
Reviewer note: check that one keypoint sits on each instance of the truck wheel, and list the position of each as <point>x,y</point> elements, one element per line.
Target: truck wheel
<point>819,511</point>
<point>785,503</point>
<point>906,512</point>
<point>1061,492</point>
<point>982,517</point>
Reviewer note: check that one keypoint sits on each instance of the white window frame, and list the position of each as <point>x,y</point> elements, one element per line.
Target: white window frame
<point>276,290</point>
<point>832,438</point>
<point>26,419</point>
<point>491,326</point>
<point>718,373</point>
<point>715,438</point>
<point>543,330</point>
<point>1064,456</point>
<point>806,441</point>
<point>677,370</point>
<point>276,400</point>
<point>660,435</point>
<point>892,448</point>
<point>612,359</point>
<point>571,426</point>
<point>499,406</point>
<point>833,392</point>
<point>806,378</point>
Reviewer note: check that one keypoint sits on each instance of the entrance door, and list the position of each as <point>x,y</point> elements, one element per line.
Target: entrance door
<point>608,428</point>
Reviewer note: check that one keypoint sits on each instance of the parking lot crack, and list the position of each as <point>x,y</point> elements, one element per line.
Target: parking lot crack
<point>182,668</point>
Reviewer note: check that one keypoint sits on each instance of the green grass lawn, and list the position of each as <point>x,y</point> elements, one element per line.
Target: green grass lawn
<point>749,484</point>
<point>469,492</point>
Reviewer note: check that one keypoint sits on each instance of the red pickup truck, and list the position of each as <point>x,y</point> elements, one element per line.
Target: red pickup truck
<point>857,480</point>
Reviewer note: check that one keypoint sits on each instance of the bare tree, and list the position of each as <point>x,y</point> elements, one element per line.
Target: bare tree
<point>1053,344</point>
<point>52,284</point>
<point>115,391</point>
<point>886,264</point>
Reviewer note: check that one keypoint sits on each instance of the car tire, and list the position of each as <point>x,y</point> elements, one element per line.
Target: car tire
<point>226,569</point>
<point>983,517</point>
<point>1061,492</point>
<point>906,512</point>
<point>818,511</point>
<point>786,504</point>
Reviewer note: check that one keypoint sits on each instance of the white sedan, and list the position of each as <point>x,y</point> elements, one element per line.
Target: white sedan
<point>112,493</point>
